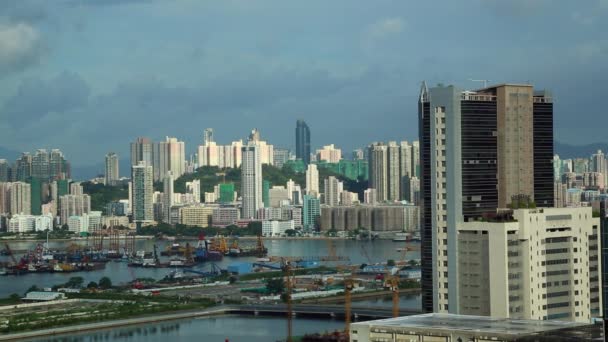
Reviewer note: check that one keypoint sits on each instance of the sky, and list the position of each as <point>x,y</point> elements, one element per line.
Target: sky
<point>89,76</point>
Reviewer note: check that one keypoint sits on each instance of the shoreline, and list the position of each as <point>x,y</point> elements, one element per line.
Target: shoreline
<point>115,323</point>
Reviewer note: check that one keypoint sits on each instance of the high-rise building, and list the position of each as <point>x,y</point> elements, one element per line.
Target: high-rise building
<point>194,188</point>
<point>171,157</point>
<point>167,196</point>
<point>20,198</point>
<point>312,180</point>
<point>281,156</point>
<point>208,136</point>
<point>73,205</point>
<point>5,171</point>
<point>36,187</point>
<point>143,150</point>
<point>59,167</point>
<point>416,159</point>
<point>378,166</point>
<point>598,164</point>
<point>311,212</point>
<point>142,192</point>
<point>393,171</point>
<point>329,153</point>
<point>303,142</point>
<point>111,174</point>
<point>226,193</point>
<point>251,180</point>
<point>266,150</point>
<point>478,151</point>
<point>370,197</point>
<point>40,165</point>
<point>23,167</point>
<point>333,189</point>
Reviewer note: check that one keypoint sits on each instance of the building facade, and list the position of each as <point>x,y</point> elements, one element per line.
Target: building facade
<point>112,169</point>
<point>251,181</point>
<point>303,142</point>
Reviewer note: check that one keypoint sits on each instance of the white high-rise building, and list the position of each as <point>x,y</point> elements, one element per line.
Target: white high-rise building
<point>172,157</point>
<point>73,205</point>
<point>76,188</point>
<point>20,198</point>
<point>142,192</point>
<point>333,189</point>
<point>168,198</point>
<point>393,172</point>
<point>369,196</point>
<point>312,180</point>
<point>251,180</point>
<point>194,188</point>
<point>330,154</point>
<point>378,165</point>
<point>222,156</point>
<point>112,173</point>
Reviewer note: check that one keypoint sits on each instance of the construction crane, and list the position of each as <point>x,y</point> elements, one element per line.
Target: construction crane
<point>392,283</point>
<point>485,82</point>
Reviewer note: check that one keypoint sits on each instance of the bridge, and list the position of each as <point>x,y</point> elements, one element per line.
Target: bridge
<point>310,310</point>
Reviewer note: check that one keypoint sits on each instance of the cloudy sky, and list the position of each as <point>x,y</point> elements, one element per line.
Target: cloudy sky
<point>88,76</point>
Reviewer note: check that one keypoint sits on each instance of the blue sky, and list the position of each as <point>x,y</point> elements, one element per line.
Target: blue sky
<point>88,76</point>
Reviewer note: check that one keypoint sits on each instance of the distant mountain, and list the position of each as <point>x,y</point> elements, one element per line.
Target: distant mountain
<point>566,151</point>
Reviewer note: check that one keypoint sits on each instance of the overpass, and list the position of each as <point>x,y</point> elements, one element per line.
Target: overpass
<point>324,311</point>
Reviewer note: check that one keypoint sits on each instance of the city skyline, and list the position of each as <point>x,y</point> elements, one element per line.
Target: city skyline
<point>348,71</point>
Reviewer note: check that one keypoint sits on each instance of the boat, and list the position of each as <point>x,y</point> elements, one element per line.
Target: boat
<point>401,237</point>
<point>175,274</point>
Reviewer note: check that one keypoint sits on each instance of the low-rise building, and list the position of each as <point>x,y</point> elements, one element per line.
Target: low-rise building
<point>225,216</point>
<point>30,223</point>
<point>276,228</point>
<point>196,215</point>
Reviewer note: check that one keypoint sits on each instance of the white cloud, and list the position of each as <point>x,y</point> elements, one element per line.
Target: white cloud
<point>386,27</point>
<point>20,46</point>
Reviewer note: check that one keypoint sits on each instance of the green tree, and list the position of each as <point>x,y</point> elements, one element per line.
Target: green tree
<point>105,283</point>
<point>75,282</point>
<point>290,232</point>
<point>92,285</point>
<point>32,288</point>
<point>390,262</point>
<point>275,285</point>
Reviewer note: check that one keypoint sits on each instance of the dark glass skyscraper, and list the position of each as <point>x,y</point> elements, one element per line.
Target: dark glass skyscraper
<point>303,142</point>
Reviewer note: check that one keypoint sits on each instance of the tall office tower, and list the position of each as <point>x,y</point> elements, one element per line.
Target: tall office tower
<point>312,180</point>
<point>303,142</point>
<point>143,150</point>
<point>20,198</point>
<point>208,136</point>
<point>40,164</point>
<point>251,180</point>
<point>329,153</point>
<point>167,196</point>
<point>311,212</point>
<point>172,157</point>
<point>333,188</point>
<point>478,151</point>
<point>281,156</point>
<point>111,174</point>
<point>5,171</point>
<point>23,167</point>
<point>378,165</point>
<point>194,188</point>
<point>598,164</point>
<point>142,191</point>
<point>393,171</point>
<point>59,167</point>
<point>73,205</point>
<point>416,159</point>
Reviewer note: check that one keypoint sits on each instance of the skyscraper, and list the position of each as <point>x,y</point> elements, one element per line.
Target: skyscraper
<point>143,150</point>
<point>311,212</point>
<point>303,142</point>
<point>208,136</point>
<point>142,192</point>
<point>20,198</point>
<point>111,174</point>
<point>312,180</point>
<point>23,167</point>
<point>378,176</point>
<point>167,196</point>
<point>5,171</point>
<point>59,167</point>
<point>333,189</point>
<point>171,157</point>
<point>393,171</point>
<point>251,180</point>
<point>40,165</point>
<point>478,151</point>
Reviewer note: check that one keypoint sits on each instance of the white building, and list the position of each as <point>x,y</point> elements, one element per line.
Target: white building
<point>333,188</point>
<point>251,180</point>
<point>30,223</point>
<point>20,198</point>
<point>194,188</point>
<point>312,180</point>
<point>538,264</point>
<point>171,157</point>
<point>276,228</point>
<point>196,215</point>
<point>168,198</point>
<point>73,205</point>
<point>277,195</point>
<point>330,154</point>
<point>112,173</point>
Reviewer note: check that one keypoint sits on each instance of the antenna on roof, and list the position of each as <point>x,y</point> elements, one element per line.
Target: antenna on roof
<point>485,82</point>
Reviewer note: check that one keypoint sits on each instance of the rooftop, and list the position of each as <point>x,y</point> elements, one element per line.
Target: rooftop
<point>473,324</point>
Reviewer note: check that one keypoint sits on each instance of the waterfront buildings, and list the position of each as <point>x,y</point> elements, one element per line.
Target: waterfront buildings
<point>311,211</point>
<point>112,170</point>
<point>251,180</point>
<point>73,205</point>
<point>196,215</point>
<point>30,223</point>
<point>383,217</point>
<point>142,192</point>
<point>303,142</point>
<point>480,150</point>
<point>276,227</point>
